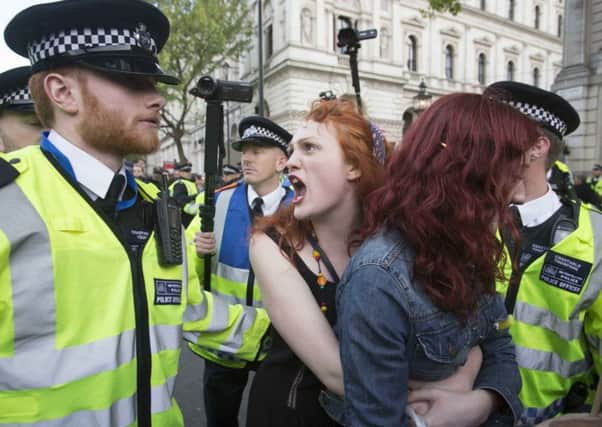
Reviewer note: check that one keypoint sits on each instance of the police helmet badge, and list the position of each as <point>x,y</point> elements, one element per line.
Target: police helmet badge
<point>144,38</point>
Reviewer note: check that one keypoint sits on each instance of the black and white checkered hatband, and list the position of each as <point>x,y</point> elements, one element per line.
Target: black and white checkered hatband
<point>540,115</point>
<point>255,131</point>
<point>87,40</point>
<point>16,97</point>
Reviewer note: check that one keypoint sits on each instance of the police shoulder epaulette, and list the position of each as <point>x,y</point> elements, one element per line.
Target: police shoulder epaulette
<point>227,187</point>
<point>8,173</point>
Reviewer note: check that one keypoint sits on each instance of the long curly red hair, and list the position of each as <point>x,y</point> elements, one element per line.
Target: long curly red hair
<point>447,188</point>
<point>355,138</point>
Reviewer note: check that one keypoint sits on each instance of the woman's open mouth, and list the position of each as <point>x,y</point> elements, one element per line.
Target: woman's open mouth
<point>299,187</point>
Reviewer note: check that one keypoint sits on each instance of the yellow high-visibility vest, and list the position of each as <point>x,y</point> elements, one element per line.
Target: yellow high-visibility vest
<point>75,304</point>
<point>557,325</point>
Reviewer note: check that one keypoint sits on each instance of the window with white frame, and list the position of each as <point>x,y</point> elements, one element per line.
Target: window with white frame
<point>482,69</point>
<point>510,70</point>
<point>412,48</point>
<point>449,62</point>
<point>536,77</point>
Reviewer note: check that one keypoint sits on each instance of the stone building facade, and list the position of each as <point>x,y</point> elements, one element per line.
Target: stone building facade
<point>488,40</point>
<point>580,80</point>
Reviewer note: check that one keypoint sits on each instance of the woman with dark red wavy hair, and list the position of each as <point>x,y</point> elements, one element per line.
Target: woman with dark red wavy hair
<point>420,291</point>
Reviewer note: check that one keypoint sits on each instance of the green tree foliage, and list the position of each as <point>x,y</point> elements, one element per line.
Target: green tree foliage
<point>443,6</point>
<point>204,33</point>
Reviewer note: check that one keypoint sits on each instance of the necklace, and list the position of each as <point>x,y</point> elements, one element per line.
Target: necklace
<point>318,254</point>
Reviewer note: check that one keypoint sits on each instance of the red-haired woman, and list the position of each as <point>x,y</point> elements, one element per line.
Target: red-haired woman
<point>420,292</point>
<point>337,159</point>
<point>335,162</point>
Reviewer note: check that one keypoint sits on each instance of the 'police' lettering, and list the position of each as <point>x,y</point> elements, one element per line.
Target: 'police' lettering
<point>565,272</point>
<point>168,292</point>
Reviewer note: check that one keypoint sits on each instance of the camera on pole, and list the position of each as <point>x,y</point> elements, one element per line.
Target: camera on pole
<point>349,40</point>
<point>209,88</point>
<point>214,92</point>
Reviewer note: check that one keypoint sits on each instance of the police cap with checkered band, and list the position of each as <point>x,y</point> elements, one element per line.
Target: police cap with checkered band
<point>121,37</point>
<point>548,109</point>
<point>261,131</point>
<point>14,94</point>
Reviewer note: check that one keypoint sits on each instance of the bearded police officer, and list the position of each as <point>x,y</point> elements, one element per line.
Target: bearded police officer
<point>554,293</point>
<point>94,291</point>
<point>19,125</point>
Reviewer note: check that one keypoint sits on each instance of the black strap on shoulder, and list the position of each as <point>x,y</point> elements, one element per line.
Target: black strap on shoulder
<point>517,275</point>
<point>8,173</point>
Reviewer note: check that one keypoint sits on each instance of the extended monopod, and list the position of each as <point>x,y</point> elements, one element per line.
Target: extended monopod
<point>214,92</point>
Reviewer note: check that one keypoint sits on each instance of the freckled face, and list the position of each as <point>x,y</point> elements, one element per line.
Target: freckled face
<point>317,170</point>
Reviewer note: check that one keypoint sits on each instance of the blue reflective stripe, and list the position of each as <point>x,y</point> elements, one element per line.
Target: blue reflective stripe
<point>49,147</point>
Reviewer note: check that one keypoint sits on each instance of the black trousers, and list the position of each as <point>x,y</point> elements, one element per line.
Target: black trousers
<point>223,389</point>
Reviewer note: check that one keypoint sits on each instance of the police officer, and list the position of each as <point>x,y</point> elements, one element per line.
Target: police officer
<point>560,179</point>
<point>263,144</point>
<point>19,125</point>
<point>92,305</point>
<point>184,191</point>
<point>554,293</point>
<point>594,181</point>
<point>230,174</point>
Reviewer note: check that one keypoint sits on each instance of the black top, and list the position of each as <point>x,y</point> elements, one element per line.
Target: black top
<point>284,391</point>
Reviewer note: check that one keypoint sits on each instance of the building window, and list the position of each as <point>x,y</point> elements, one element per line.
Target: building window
<point>269,41</point>
<point>511,10</point>
<point>483,4</point>
<point>559,32</point>
<point>510,71</point>
<point>412,54</point>
<point>449,62</point>
<point>407,121</point>
<point>536,77</point>
<point>537,17</point>
<point>384,42</point>
<point>481,71</point>
<point>268,30</point>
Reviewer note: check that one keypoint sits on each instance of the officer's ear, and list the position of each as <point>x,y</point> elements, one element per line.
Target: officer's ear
<point>63,90</point>
<point>281,161</point>
<point>539,150</point>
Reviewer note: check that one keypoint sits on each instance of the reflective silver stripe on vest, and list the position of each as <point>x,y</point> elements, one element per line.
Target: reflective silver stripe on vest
<point>238,275</point>
<point>235,300</point>
<point>595,343</point>
<point>195,312</point>
<point>121,413</point>
<point>595,282</point>
<point>45,366</point>
<point>235,340</point>
<point>548,361</point>
<point>541,317</point>
<point>29,246</point>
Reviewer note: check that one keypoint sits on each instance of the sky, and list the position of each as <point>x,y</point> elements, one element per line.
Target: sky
<point>8,9</point>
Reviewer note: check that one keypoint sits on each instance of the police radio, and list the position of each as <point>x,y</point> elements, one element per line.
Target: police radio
<point>168,227</point>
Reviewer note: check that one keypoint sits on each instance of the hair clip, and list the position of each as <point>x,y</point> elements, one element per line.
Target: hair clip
<point>378,143</point>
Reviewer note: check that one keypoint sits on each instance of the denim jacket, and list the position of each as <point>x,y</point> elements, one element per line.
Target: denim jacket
<point>390,331</point>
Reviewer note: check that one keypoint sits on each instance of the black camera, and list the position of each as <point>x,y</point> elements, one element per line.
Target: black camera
<point>209,88</point>
<point>327,95</point>
<point>349,38</point>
